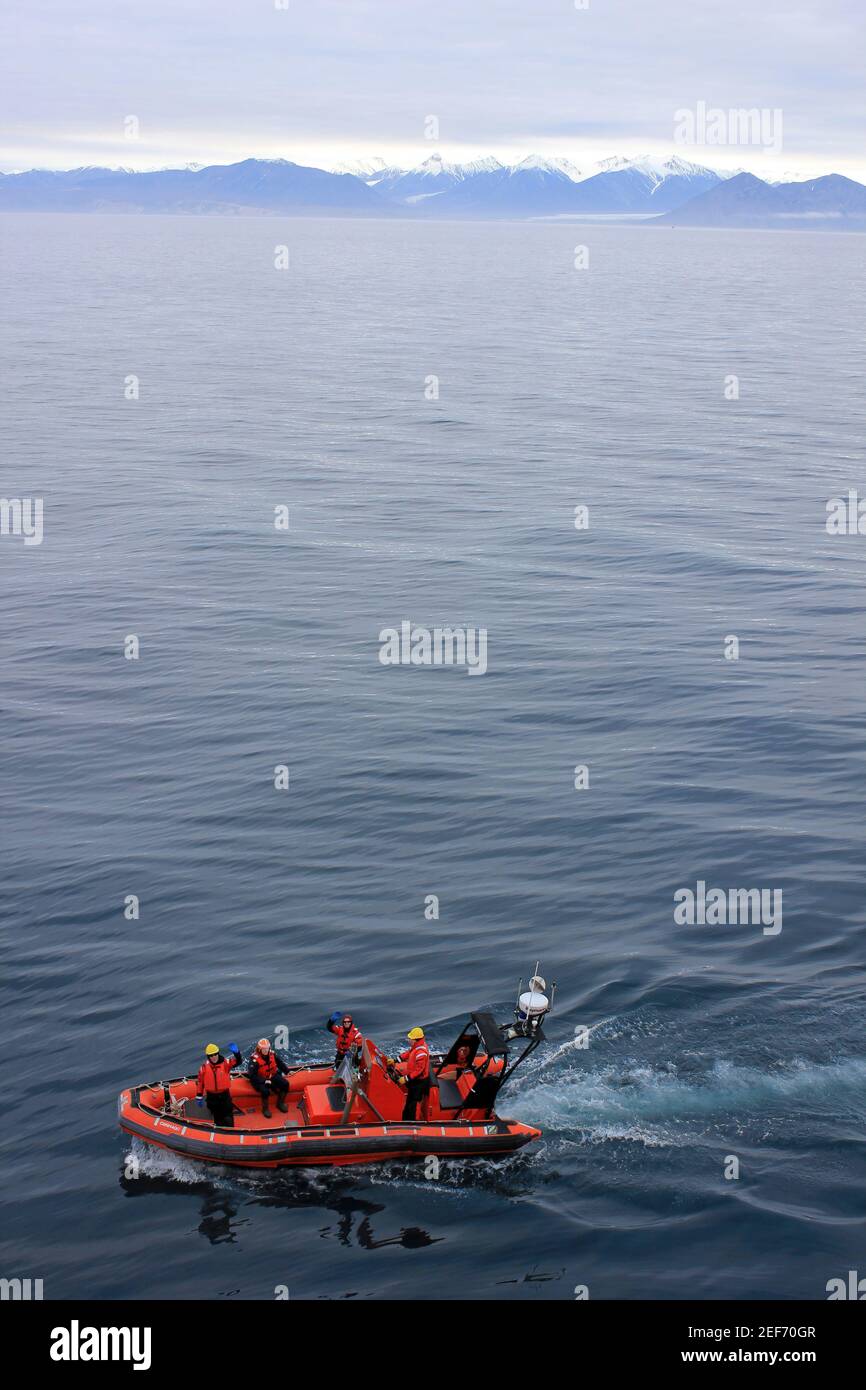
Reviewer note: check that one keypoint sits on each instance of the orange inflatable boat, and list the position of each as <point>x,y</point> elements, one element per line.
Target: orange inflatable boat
<point>352,1116</point>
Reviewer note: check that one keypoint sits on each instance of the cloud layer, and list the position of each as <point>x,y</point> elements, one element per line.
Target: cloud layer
<point>332,79</point>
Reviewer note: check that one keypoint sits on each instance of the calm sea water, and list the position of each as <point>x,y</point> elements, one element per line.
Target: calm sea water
<point>557,388</point>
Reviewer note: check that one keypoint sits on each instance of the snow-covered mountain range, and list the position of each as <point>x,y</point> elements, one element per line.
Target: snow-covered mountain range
<point>539,185</point>
<point>668,190</point>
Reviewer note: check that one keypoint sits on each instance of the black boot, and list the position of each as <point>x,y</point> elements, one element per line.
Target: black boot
<point>266,1109</point>
<point>281,1104</point>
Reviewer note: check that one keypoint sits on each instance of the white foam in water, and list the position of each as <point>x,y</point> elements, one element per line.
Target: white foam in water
<point>161,1163</point>
<point>452,1179</point>
<point>574,1046</point>
<point>647,1103</point>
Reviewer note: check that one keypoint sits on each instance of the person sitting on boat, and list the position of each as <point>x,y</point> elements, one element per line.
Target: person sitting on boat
<point>267,1072</point>
<point>347,1037</point>
<point>213,1086</point>
<point>416,1067</point>
<point>463,1060</point>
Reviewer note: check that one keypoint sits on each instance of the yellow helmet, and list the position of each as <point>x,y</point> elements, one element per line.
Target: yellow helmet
<point>211,1050</point>
<point>414,1034</point>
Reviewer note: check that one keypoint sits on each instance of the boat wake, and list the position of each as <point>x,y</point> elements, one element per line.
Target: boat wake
<point>663,1105</point>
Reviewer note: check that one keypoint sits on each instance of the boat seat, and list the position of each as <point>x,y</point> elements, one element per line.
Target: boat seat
<point>191,1111</point>
<point>449,1095</point>
<point>324,1105</point>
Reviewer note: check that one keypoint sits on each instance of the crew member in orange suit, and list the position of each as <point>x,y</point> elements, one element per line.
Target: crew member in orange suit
<point>347,1037</point>
<point>267,1072</point>
<point>416,1060</point>
<point>213,1086</point>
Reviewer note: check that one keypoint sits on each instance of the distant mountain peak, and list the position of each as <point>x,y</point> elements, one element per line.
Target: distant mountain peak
<point>744,200</point>
<point>434,165</point>
<point>361,168</point>
<point>546,164</point>
<point>488,165</point>
<point>612,163</point>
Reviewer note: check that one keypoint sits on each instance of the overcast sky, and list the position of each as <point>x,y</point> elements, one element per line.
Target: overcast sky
<point>330,80</point>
